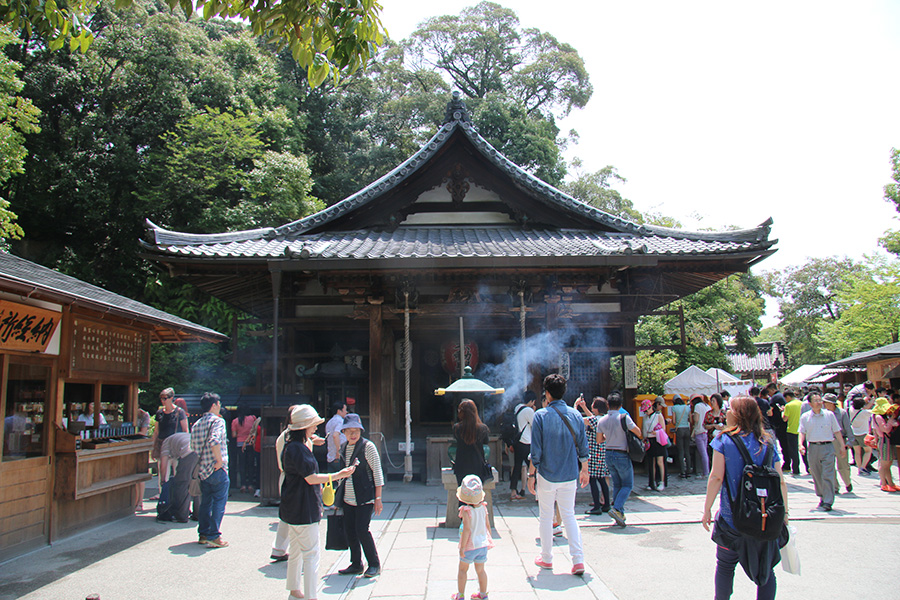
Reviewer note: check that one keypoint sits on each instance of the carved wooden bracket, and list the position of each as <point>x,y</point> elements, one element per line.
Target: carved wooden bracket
<point>457,183</point>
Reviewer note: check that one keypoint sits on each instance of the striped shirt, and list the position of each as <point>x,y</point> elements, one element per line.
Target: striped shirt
<point>209,431</point>
<point>374,464</point>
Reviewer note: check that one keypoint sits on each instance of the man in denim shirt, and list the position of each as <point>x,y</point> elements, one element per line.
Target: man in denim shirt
<point>559,463</point>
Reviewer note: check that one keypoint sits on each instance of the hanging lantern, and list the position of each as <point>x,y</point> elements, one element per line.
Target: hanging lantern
<point>450,356</point>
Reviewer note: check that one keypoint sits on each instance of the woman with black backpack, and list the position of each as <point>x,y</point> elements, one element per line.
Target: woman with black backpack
<point>754,534</point>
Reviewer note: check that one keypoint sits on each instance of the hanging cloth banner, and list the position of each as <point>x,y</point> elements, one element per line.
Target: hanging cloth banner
<point>450,356</point>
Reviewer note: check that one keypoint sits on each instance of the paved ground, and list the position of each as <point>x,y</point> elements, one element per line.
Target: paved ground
<point>663,551</point>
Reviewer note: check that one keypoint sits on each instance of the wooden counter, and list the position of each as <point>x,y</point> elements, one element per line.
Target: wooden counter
<point>86,473</point>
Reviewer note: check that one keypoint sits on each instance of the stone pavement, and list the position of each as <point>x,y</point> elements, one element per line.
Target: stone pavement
<point>138,558</point>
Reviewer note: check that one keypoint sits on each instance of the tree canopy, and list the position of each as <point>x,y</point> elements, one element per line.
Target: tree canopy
<point>485,51</point>
<point>809,296</point>
<point>326,37</point>
<point>517,81</point>
<point>18,117</point>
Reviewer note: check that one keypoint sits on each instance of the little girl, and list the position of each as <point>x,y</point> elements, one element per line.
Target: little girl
<point>474,537</point>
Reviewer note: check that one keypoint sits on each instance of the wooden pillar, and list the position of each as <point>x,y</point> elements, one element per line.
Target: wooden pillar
<point>628,394</point>
<point>376,375</point>
<point>387,382</point>
<point>605,375</point>
<point>552,317</point>
<point>276,308</point>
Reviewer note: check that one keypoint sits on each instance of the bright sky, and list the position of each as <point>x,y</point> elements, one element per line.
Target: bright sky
<point>725,113</point>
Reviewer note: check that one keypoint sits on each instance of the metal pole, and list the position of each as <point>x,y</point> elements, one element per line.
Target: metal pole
<point>407,460</point>
<point>462,349</point>
<point>522,335</point>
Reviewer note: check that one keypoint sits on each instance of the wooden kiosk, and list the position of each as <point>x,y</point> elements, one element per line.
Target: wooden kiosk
<point>71,358</point>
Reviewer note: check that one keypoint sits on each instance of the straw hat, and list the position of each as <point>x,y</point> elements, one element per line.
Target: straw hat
<point>352,421</point>
<point>304,416</point>
<point>471,490</point>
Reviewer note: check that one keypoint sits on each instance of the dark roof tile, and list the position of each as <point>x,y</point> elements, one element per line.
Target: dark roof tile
<point>442,242</point>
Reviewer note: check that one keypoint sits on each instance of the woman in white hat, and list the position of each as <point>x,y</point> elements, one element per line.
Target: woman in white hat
<point>301,500</point>
<point>361,497</point>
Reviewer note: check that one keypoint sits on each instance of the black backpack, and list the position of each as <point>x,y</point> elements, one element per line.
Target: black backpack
<point>509,426</point>
<point>758,509</point>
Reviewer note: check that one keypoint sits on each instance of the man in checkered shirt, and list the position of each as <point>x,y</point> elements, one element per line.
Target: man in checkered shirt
<point>209,441</point>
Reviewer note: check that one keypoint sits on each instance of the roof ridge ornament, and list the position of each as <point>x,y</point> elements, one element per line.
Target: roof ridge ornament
<point>456,110</point>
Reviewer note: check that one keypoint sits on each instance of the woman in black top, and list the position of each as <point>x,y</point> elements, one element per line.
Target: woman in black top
<point>301,500</point>
<point>471,435</point>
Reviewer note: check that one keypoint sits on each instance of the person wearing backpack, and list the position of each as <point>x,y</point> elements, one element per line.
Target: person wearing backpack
<point>747,531</point>
<point>523,416</point>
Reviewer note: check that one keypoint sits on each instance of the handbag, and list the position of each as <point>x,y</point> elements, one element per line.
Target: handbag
<point>871,441</point>
<point>790,557</point>
<point>487,472</point>
<point>662,438</point>
<point>635,444</point>
<point>328,492</point>
<point>335,536</point>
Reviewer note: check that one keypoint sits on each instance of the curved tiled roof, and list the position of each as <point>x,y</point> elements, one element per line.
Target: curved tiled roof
<point>447,242</point>
<point>770,356</point>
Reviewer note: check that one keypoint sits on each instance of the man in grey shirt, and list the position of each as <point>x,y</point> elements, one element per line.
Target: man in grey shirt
<point>818,431</point>
<point>609,430</point>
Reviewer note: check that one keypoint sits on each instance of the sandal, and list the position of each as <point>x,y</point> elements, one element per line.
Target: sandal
<point>479,596</point>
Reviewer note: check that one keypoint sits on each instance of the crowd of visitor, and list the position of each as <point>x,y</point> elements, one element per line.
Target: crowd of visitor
<point>560,447</point>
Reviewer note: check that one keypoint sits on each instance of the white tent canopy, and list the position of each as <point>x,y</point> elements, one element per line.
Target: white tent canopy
<point>721,374</point>
<point>692,380</point>
<point>798,376</point>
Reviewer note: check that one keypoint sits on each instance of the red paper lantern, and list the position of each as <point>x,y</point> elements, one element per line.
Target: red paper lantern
<point>450,356</point>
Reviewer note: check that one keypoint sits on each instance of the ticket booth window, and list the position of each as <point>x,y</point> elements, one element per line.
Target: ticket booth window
<point>26,415</point>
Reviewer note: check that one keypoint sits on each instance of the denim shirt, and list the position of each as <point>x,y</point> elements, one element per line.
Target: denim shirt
<point>562,459</point>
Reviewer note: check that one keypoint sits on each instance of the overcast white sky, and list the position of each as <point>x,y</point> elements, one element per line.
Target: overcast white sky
<point>734,112</point>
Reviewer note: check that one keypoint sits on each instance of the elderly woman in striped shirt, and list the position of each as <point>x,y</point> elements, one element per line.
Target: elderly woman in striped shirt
<point>361,497</point>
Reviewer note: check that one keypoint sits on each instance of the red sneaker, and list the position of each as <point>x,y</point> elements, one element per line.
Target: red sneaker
<point>544,565</point>
<point>578,569</point>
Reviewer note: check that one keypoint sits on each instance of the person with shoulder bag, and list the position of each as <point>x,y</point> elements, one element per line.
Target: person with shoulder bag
<point>653,424</point>
<point>751,525</point>
<point>559,464</point>
<point>612,430</point>
<point>360,497</point>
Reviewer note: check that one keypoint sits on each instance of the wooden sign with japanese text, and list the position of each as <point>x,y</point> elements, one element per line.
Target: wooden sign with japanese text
<point>26,328</point>
<point>109,349</point>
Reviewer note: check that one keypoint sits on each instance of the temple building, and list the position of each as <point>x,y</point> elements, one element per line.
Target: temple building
<point>457,246</point>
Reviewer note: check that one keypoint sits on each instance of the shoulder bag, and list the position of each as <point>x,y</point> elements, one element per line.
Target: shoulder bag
<point>635,445</point>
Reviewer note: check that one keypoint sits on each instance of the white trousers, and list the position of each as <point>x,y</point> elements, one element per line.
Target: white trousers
<point>280,545</point>
<point>282,539</point>
<point>304,558</point>
<point>563,494</point>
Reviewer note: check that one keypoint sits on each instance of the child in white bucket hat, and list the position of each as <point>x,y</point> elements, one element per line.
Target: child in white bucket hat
<point>474,537</point>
